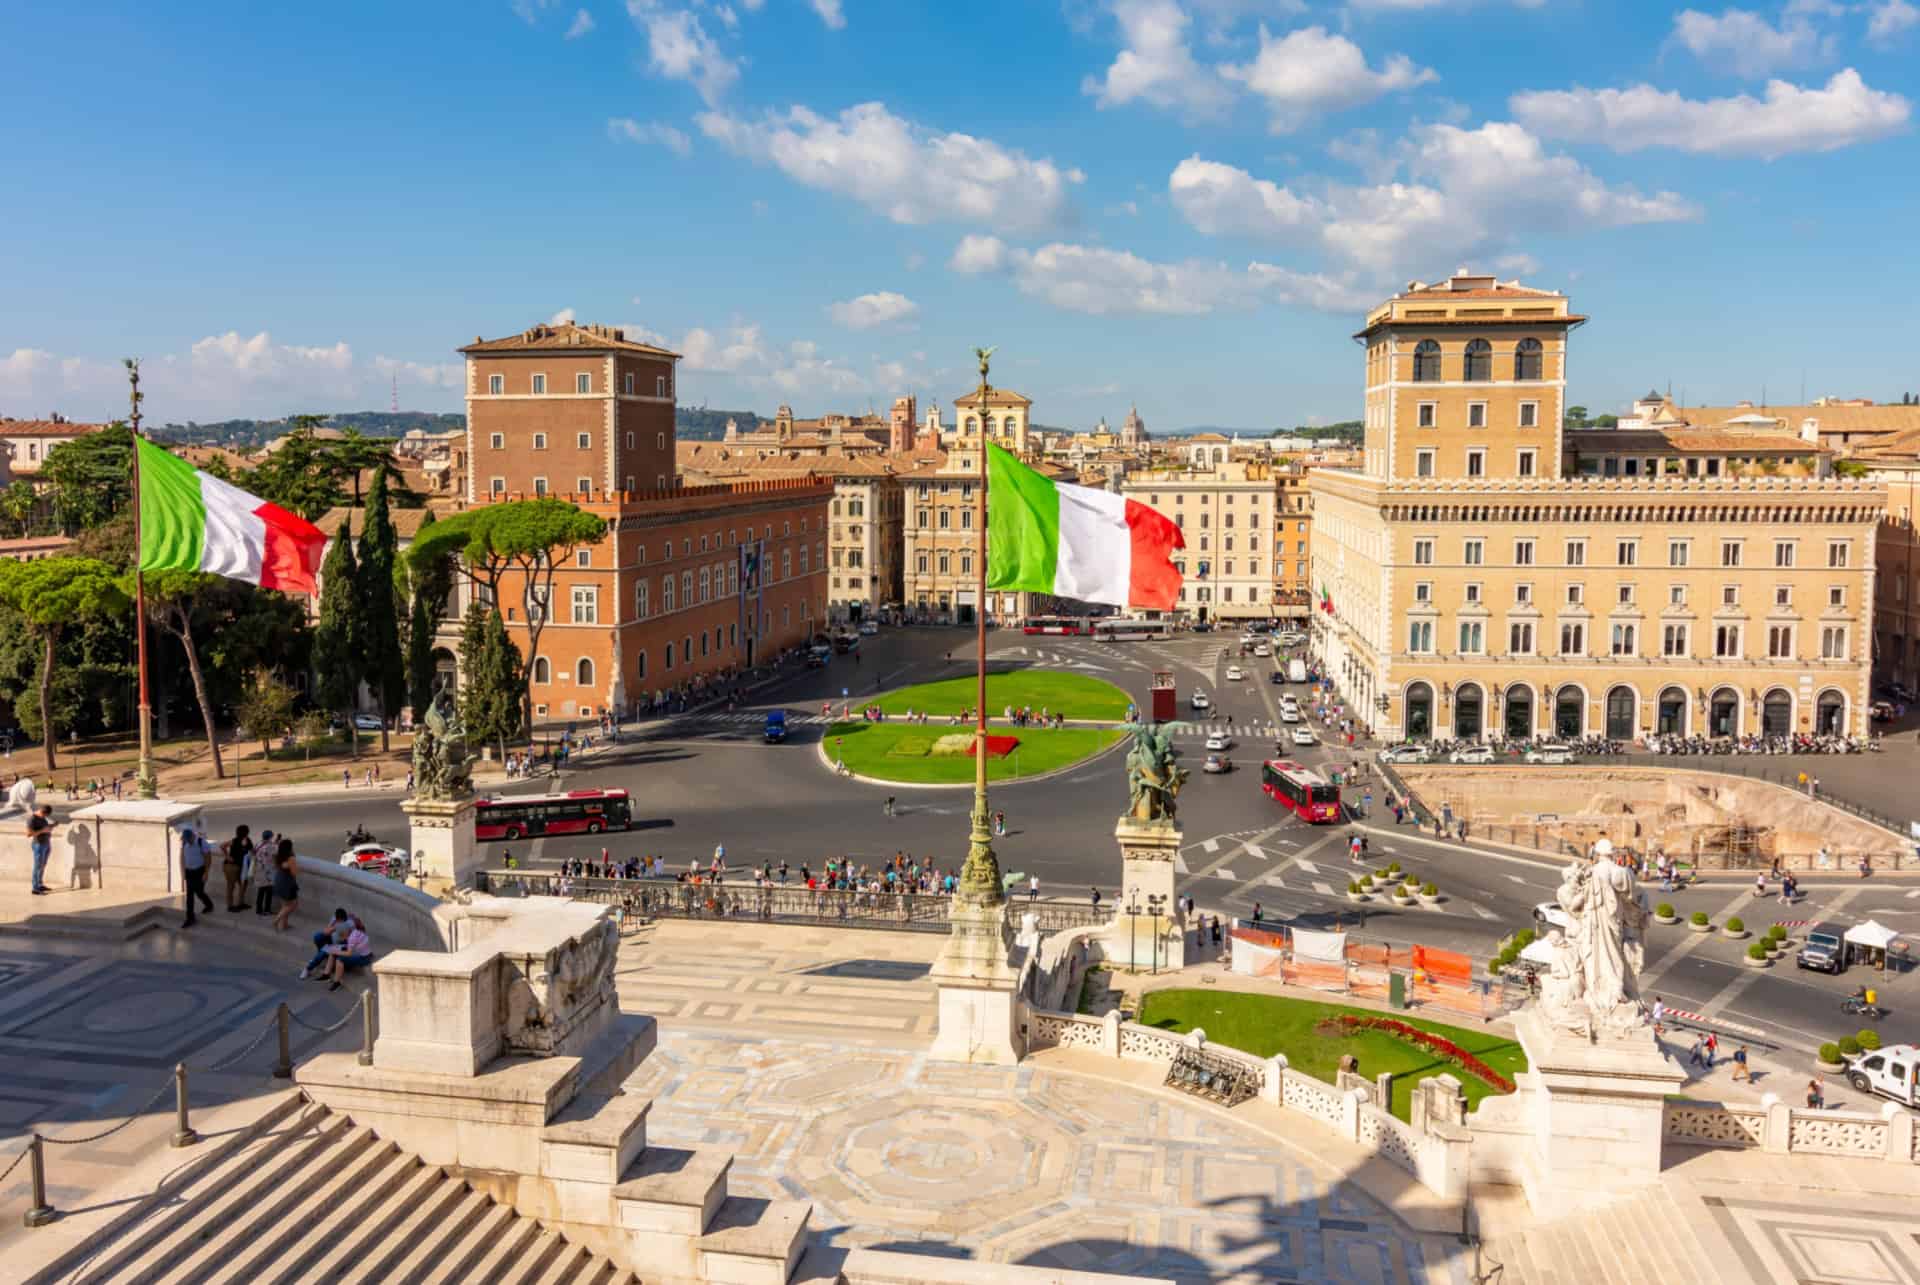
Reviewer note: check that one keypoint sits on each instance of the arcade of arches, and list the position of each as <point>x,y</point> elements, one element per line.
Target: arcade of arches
<point>1473,712</point>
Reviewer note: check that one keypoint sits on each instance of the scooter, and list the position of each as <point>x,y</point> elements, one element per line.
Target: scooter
<point>1854,1004</point>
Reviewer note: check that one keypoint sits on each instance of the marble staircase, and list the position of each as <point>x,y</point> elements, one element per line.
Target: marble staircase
<point>1630,1241</point>
<point>304,1195</point>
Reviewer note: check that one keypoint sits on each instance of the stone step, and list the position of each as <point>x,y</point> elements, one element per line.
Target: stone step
<point>340,1258</point>
<point>531,1267</point>
<point>334,1205</point>
<point>421,1223</point>
<point>457,1266</point>
<point>497,1259</point>
<point>444,1238</point>
<point>752,1241</point>
<point>572,1263</point>
<point>244,1187</point>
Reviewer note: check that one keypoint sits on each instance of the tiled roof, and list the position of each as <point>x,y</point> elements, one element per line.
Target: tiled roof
<point>406,522</point>
<point>1602,440</point>
<point>45,428</point>
<point>546,338</point>
<point>995,397</point>
<point>1426,290</point>
<point>1829,419</point>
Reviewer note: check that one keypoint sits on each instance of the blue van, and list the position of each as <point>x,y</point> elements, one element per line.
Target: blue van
<point>776,730</point>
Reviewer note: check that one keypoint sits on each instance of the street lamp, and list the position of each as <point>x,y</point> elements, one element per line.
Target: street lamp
<point>1133,928</point>
<point>1155,902</point>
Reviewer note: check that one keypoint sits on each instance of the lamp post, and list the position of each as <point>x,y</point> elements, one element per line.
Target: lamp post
<point>1155,902</point>
<point>1133,928</point>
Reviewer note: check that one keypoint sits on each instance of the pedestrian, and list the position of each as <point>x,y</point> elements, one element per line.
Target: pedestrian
<point>1740,1071</point>
<point>1659,1014</point>
<point>233,867</point>
<point>40,840</point>
<point>1033,888</point>
<point>409,780</point>
<point>193,868</point>
<point>1713,1048</point>
<point>1216,930</point>
<point>260,873</point>
<point>1096,896</point>
<point>1816,1094</point>
<point>335,931</point>
<point>286,884</point>
<point>355,952</point>
<point>1696,1056</point>
<point>1256,912</point>
<point>1760,884</point>
<point>346,778</point>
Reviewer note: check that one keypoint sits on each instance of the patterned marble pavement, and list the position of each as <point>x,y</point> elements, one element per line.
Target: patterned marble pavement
<point>1025,1165</point>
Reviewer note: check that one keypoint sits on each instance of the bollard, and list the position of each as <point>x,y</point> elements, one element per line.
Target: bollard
<point>41,1213</point>
<point>183,1134</point>
<point>366,1029</point>
<point>283,1069</point>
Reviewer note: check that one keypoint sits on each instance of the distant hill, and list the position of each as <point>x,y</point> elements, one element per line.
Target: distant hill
<point>698,424</point>
<point>694,424</point>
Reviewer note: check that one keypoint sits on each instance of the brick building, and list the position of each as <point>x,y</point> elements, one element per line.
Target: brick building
<point>690,582</point>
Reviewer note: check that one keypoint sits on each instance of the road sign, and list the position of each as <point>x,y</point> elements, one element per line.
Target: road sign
<point>844,693</point>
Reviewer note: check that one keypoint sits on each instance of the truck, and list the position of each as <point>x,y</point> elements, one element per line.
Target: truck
<point>776,729</point>
<point>1825,950</point>
<point>1892,1072</point>
<point>1296,671</point>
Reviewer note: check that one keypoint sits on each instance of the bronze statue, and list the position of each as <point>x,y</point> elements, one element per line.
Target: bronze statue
<point>984,354</point>
<point>1153,778</point>
<point>442,768</point>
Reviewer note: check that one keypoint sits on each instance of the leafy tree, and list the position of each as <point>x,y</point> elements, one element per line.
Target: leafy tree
<point>1604,421</point>
<point>490,697</point>
<point>90,477</point>
<point>311,728</point>
<point>337,643</point>
<point>17,505</point>
<point>432,581</point>
<point>514,546</point>
<point>308,475</point>
<point>1576,417</point>
<point>182,603</point>
<point>51,596</point>
<point>266,709</point>
<point>379,613</point>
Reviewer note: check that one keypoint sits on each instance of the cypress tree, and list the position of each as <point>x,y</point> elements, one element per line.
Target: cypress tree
<point>337,660</point>
<point>432,580</point>
<point>490,697</point>
<point>385,665</point>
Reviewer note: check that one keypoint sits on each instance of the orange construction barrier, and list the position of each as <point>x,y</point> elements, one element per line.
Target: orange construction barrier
<point>1443,965</point>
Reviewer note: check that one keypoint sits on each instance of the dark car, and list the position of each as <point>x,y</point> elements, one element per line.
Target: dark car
<point>1203,626</point>
<point>1825,951</point>
<point>1278,678</point>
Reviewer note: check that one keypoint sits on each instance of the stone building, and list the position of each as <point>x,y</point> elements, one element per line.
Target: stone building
<point>1227,514</point>
<point>1477,589</point>
<point>866,541</point>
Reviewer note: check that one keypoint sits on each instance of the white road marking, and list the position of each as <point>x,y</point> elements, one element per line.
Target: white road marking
<point>1276,881</point>
<point>1913,894</point>
<point>1179,864</point>
<point>1307,865</point>
<point>1323,888</point>
<point>1254,851</point>
<point>1484,913</point>
<point>1210,846</point>
<point>1226,874</point>
<point>1516,878</point>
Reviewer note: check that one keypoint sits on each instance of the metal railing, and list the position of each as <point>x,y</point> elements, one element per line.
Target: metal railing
<point>660,899</point>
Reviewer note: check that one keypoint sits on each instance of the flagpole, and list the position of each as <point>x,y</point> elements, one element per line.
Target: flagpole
<point>980,876</point>
<point>144,784</point>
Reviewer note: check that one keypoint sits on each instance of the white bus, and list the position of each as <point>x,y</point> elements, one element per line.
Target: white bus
<point>1123,630</point>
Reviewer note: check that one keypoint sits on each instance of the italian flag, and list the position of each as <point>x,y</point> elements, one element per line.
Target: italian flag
<point>192,521</point>
<point>1075,541</point>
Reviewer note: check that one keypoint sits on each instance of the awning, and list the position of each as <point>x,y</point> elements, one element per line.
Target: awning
<point>1870,934</point>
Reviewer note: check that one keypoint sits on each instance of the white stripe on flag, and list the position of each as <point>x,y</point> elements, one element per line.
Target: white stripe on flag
<point>1095,559</point>
<point>236,541</point>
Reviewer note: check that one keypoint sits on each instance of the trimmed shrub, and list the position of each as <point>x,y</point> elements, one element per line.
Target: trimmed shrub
<point>1394,869</point>
<point>1699,917</point>
<point>1777,933</point>
<point>1366,881</point>
<point>1869,1039</point>
<point>1829,1052</point>
<point>1849,1046</point>
<point>1664,910</point>
<point>1353,886</point>
<point>1523,939</point>
<point>1429,890</point>
<point>1757,951</point>
<point>1736,925</point>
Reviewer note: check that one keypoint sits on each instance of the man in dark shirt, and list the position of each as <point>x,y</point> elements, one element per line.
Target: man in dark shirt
<point>40,840</point>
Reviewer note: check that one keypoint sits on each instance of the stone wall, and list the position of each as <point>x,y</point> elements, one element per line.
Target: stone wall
<point>1774,1126</point>
<point>397,917</point>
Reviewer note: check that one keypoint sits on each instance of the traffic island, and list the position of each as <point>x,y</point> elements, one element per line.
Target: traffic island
<point>940,754</point>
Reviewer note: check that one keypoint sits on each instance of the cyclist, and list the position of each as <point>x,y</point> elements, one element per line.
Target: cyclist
<point>889,805</point>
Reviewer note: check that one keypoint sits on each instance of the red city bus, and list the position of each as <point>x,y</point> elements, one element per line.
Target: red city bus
<point>1306,793</point>
<point>1056,625</point>
<point>575,812</point>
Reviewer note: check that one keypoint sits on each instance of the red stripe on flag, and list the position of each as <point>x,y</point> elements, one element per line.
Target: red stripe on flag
<point>291,561</point>
<point>1152,580</point>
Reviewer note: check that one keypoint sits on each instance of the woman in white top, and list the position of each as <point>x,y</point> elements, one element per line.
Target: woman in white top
<point>355,952</point>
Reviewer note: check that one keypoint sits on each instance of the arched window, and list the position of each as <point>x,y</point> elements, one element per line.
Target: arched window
<point>1776,714</point>
<point>542,671</point>
<point>1479,360</point>
<point>1528,359</point>
<point>1671,720</point>
<point>972,424</point>
<point>1830,718</point>
<point>583,672</point>
<point>1723,717</point>
<point>1620,714</point>
<point>1467,711</point>
<point>1426,362</point>
<point>1570,712</point>
<point>1419,712</point>
<point>1519,722</point>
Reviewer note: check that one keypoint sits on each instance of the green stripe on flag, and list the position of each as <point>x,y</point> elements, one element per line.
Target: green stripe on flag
<point>173,517</point>
<point>1023,525</point>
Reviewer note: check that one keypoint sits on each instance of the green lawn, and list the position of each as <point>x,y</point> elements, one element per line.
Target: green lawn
<point>1075,695</point>
<point>904,751</point>
<point>1267,1024</point>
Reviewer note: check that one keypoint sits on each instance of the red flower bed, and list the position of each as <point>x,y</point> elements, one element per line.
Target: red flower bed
<point>997,746</point>
<point>1439,1045</point>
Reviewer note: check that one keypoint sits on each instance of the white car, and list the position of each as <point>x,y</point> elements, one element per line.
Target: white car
<point>1219,741</point>
<point>1301,736</point>
<point>1292,638</point>
<point>368,722</point>
<point>1405,754</point>
<point>1289,713</point>
<point>1549,754</point>
<point>1549,915</point>
<point>1235,673</point>
<point>1199,700</point>
<point>1217,763</point>
<point>1261,649</point>
<point>376,858</point>
<point>868,629</point>
<point>1472,754</point>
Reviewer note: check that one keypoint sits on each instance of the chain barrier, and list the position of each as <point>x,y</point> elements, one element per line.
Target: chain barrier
<point>273,1024</point>
<point>107,1133</point>
<point>328,1030</point>
<point>24,1153</point>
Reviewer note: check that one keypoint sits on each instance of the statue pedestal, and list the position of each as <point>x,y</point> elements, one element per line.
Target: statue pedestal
<point>976,979</point>
<point>1595,1114</point>
<point>1147,850</point>
<point>444,852</point>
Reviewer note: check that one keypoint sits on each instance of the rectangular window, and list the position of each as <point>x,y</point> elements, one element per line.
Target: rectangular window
<point>640,600</point>
<point>1476,463</point>
<point>1628,552</point>
<point>1529,414</point>
<point>659,385</point>
<point>1473,591</point>
<point>1779,642</point>
<point>1573,639</point>
<point>1423,463</point>
<point>1474,552</point>
<point>1626,595</point>
<point>1726,641</point>
<point>1420,636</point>
<point>1422,553</point>
<point>583,383</point>
<point>583,558</point>
<point>1833,643</point>
<point>584,441</point>
<point>1729,595</point>
<point>1624,639</point>
<point>498,441</point>
<point>1423,591</point>
<point>1729,553</point>
<point>539,441</point>
<point>1428,413</point>
<point>1476,414</point>
<point>539,383</point>
<point>582,486</point>
<point>1837,553</point>
<point>1472,639</point>
<point>626,384</point>
<point>1836,596</point>
<point>586,605</point>
<point>1673,640</point>
<point>496,384</point>
<point>1783,553</point>
<point>1523,594</point>
<point>1576,553</point>
<point>539,486</point>
<point>1520,638</point>
<point>1523,553</point>
<point>497,486</point>
<point>1576,594</point>
<point>1526,463</point>
<point>1677,595</point>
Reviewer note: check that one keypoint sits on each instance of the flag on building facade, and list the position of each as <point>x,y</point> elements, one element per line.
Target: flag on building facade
<point>1075,541</point>
<point>192,521</point>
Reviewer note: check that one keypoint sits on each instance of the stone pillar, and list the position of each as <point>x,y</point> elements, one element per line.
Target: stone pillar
<point>442,843</point>
<point>976,979</point>
<point>132,845</point>
<point>1147,851</point>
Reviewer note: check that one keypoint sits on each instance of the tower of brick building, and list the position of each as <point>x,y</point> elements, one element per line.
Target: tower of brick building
<point>900,424</point>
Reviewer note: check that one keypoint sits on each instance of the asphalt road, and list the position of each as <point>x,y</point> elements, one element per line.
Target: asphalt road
<point>706,779</point>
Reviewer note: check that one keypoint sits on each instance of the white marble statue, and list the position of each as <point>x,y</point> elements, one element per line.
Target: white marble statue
<point>1599,995</point>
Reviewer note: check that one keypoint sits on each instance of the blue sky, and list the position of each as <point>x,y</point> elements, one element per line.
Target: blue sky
<point>1181,203</point>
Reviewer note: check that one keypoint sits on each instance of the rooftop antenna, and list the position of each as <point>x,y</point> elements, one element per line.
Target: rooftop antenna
<point>396,394</point>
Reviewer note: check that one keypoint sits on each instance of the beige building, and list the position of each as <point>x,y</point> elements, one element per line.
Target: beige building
<point>866,537</point>
<point>1478,590</point>
<point>1894,462</point>
<point>1227,512</point>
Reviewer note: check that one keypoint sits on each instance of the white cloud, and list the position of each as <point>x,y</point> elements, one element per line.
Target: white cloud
<point>448,374</point>
<point>1747,42</point>
<point>1789,119</point>
<point>1312,71</point>
<point>915,261</point>
<point>625,129</point>
<point>564,317</point>
<point>1156,66</point>
<point>883,308</point>
<point>1103,282</point>
<point>1464,192</point>
<point>739,349</point>
<point>581,25</point>
<point>829,11</point>
<point>901,170</point>
<point>679,48</point>
<point>530,10</point>
<point>1889,18</point>
<point>1393,5</point>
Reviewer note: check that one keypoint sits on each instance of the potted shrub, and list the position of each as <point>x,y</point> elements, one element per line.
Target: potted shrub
<point>1830,1057</point>
<point>1699,923</point>
<point>1429,894</point>
<point>1777,933</point>
<point>1663,914</point>
<point>1355,892</point>
<point>1736,927</point>
<point>1394,868</point>
<point>1849,1046</point>
<point>1869,1039</point>
<point>1402,895</point>
<point>1758,956</point>
<point>1366,883</point>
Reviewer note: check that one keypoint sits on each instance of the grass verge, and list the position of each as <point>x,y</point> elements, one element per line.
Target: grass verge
<point>904,751</point>
<point>1075,695</point>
